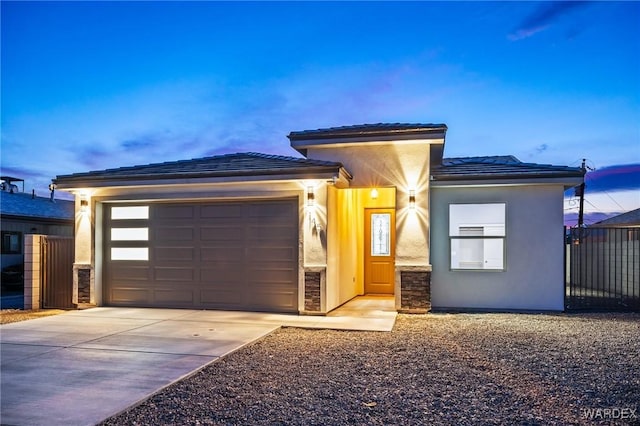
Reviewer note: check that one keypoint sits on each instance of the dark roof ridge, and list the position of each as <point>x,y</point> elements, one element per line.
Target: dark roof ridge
<point>499,167</point>
<point>224,165</point>
<point>498,159</point>
<point>237,155</point>
<point>505,159</point>
<point>371,128</point>
<point>289,158</point>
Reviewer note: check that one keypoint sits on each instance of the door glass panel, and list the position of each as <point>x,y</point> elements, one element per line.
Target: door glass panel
<point>380,234</point>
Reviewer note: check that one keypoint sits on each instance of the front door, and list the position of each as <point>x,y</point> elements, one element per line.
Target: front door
<point>379,249</point>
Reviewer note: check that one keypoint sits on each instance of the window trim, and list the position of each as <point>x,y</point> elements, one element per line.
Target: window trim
<point>481,238</point>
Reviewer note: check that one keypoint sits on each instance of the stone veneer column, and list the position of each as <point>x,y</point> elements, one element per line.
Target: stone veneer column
<point>314,280</point>
<point>32,276</point>
<point>82,283</point>
<point>415,289</point>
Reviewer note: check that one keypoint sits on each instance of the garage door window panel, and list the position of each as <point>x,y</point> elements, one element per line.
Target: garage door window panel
<point>130,253</point>
<point>130,234</point>
<point>129,212</point>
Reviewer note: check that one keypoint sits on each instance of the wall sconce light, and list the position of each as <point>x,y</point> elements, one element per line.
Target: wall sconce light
<point>84,203</point>
<point>311,198</point>
<point>412,199</point>
<point>315,226</point>
<point>374,194</point>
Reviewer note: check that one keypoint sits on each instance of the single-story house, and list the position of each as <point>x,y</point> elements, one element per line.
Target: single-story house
<point>23,213</point>
<point>369,209</point>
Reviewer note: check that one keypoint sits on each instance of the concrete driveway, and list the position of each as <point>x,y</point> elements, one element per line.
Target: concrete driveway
<point>80,367</point>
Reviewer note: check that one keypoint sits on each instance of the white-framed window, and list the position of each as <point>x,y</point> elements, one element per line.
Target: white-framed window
<point>477,234</point>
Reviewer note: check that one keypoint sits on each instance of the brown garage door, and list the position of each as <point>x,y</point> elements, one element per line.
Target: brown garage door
<point>231,255</point>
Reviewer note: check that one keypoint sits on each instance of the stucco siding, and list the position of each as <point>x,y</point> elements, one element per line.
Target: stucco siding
<point>342,251</point>
<point>533,278</point>
<point>403,166</point>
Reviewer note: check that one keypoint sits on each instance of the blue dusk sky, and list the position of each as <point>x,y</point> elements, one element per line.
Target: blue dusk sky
<point>96,85</point>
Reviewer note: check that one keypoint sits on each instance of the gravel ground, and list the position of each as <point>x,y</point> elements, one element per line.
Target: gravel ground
<point>431,369</point>
<point>15,315</point>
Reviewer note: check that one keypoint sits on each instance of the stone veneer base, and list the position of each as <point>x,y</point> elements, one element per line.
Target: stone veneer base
<point>312,301</point>
<point>415,292</point>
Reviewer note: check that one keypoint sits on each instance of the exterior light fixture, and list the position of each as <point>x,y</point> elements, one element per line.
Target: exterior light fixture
<point>374,194</point>
<point>412,199</point>
<point>311,198</point>
<point>84,203</point>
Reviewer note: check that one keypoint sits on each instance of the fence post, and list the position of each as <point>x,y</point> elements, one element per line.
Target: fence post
<point>566,246</point>
<point>32,271</point>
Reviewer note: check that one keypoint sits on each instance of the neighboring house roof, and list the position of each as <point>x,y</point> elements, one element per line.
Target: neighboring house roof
<point>240,164</point>
<point>499,167</point>
<point>21,205</point>
<point>369,130</point>
<point>631,218</point>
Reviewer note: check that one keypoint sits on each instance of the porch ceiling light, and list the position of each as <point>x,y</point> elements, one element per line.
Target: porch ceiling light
<point>374,194</point>
<point>412,199</point>
<point>311,198</point>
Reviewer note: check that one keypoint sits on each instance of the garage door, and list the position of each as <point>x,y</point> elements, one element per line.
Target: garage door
<point>231,255</point>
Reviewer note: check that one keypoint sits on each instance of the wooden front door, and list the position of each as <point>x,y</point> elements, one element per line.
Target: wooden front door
<point>379,251</point>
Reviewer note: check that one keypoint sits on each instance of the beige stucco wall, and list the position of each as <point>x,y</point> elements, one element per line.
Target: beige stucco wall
<point>404,166</point>
<point>85,223</point>
<point>314,225</point>
<point>534,275</point>
<point>345,242</point>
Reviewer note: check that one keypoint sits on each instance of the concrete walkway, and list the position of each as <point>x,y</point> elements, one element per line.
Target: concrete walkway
<point>81,367</point>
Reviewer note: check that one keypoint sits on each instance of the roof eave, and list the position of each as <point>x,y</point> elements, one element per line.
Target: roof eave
<point>567,180</point>
<point>303,144</point>
<point>352,135</point>
<point>367,133</point>
<point>317,172</point>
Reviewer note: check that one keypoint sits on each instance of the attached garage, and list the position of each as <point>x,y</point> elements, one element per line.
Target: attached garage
<point>240,255</point>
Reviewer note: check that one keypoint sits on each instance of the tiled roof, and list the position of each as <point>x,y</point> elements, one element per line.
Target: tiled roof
<point>625,219</point>
<point>498,167</point>
<point>24,205</point>
<point>369,130</point>
<point>240,164</point>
